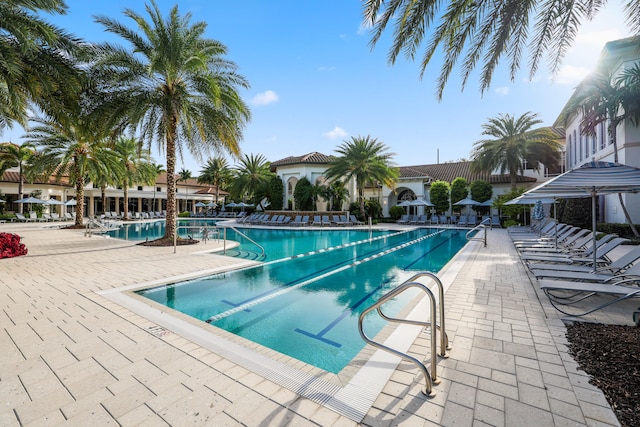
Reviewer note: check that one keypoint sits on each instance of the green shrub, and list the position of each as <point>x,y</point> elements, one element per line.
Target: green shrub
<point>184,214</point>
<point>510,223</point>
<point>396,212</point>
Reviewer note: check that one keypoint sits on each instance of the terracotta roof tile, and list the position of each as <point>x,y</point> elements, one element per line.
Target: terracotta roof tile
<point>312,158</point>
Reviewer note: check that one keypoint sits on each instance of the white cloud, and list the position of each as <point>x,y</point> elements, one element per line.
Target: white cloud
<point>336,133</point>
<point>571,75</point>
<point>502,90</point>
<point>265,98</point>
<point>331,68</point>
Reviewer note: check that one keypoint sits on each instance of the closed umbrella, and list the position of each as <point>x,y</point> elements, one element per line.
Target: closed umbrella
<point>590,180</point>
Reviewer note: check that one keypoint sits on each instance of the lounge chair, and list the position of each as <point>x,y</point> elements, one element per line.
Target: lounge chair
<point>68,216</point>
<point>565,242</point>
<point>444,220</point>
<point>564,293</point>
<point>34,217</point>
<point>336,220</point>
<point>585,276</point>
<point>584,258</point>
<point>495,221</point>
<point>325,220</point>
<point>421,220</point>
<point>297,221</point>
<point>317,220</point>
<point>472,221</point>
<point>462,221</point>
<point>47,217</point>
<point>434,219</point>
<point>404,219</point>
<point>22,218</point>
<point>354,220</point>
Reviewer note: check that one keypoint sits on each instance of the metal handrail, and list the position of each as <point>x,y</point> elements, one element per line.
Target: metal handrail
<point>432,378</point>
<point>483,226</point>
<point>224,244</point>
<point>89,229</point>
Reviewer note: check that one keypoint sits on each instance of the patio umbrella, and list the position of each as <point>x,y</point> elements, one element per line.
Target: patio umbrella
<point>405,203</point>
<point>71,202</point>
<point>200,205</point>
<point>591,179</point>
<point>211,205</point>
<point>420,202</point>
<point>468,201</point>
<point>31,200</point>
<point>53,202</point>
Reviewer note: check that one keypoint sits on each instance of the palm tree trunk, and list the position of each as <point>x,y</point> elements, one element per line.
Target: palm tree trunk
<point>20,190</point>
<point>103,196</point>
<point>613,134</point>
<point>80,200</point>
<point>170,229</point>
<point>363,214</point>
<point>125,193</point>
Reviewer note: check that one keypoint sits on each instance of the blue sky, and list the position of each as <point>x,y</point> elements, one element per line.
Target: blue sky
<point>316,82</point>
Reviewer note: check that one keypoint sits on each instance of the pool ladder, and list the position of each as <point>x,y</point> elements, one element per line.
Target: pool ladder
<point>482,226</point>
<point>444,339</point>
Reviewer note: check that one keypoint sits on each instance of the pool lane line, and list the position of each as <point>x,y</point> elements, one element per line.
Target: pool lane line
<point>286,290</point>
<point>311,275</point>
<point>320,335</point>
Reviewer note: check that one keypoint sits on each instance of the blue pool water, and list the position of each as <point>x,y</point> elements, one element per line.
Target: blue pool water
<point>307,307</point>
<point>155,229</point>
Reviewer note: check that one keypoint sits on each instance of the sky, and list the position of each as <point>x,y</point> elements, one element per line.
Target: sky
<point>316,82</point>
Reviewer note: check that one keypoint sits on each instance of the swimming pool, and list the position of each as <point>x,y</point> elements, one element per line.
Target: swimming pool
<point>155,229</point>
<point>307,306</point>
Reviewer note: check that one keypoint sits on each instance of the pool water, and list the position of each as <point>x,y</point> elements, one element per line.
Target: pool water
<point>155,229</point>
<point>308,306</point>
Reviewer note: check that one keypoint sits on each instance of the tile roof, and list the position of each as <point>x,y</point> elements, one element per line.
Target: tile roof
<point>14,176</point>
<point>310,158</point>
<point>450,171</point>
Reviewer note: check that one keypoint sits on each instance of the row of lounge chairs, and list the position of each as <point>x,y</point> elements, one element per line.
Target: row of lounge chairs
<point>300,220</point>
<point>463,220</point>
<point>560,257</point>
<point>135,215</point>
<point>53,217</point>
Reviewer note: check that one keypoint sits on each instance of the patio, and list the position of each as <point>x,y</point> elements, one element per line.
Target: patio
<point>71,356</point>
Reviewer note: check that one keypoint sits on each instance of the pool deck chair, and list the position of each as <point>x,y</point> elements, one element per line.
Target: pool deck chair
<point>316,220</point>
<point>564,293</point>
<point>404,219</point>
<point>585,276</point>
<point>22,218</point>
<point>462,221</point>
<point>325,220</point>
<point>354,220</point>
<point>584,258</point>
<point>620,264</point>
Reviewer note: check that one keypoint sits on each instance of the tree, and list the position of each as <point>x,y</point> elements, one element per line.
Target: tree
<point>37,61</point>
<point>217,173</point>
<point>366,160</point>
<point>250,177</point>
<point>184,175</point>
<point>173,82</point>
<point>439,196</point>
<point>603,98</point>
<point>13,155</point>
<point>459,191</point>
<point>514,143</point>
<point>302,195</point>
<point>274,192</point>
<point>481,191</point>
<point>335,193</point>
<point>135,168</point>
<point>77,150</point>
<point>475,32</point>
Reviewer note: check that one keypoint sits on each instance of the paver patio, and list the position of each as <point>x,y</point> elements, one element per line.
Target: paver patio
<point>72,357</point>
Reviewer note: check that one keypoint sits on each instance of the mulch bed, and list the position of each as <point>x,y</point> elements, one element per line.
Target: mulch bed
<point>169,242</point>
<point>610,354</point>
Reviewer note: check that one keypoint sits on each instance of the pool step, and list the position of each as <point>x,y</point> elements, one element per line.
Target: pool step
<point>250,255</point>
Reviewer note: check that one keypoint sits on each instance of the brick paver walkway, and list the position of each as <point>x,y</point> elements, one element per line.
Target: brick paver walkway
<point>71,357</point>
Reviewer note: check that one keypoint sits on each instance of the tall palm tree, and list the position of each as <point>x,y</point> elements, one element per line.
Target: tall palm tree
<point>77,151</point>
<point>250,176</point>
<point>37,61</point>
<point>514,143</point>
<point>217,173</point>
<point>366,160</point>
<point>13,155</point>
<point>184,175</point>
<point>135,169</point>
<point>175,87</point>
<point>335,193</point>
<point>608,99</point>
<point>486,32</point>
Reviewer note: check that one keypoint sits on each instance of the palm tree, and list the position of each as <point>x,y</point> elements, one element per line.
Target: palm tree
<point>135,168</point>
<point>603,98</point>
<point>173,82</point>
<point>77,151</point>
<point>335,193</point>
<point>366,160</point>
<point>184,175</point>
<point>514,143</point>
<point>37,64</point>
<point>475,31</point>
<point>217,173</point>
<point>12,155</point>
<point>250,176</point>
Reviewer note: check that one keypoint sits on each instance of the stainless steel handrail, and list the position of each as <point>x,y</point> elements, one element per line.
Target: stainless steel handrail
<point>243,235</point>
<point>432,378</point>
<point>483,226</point>
<point>89,227</point>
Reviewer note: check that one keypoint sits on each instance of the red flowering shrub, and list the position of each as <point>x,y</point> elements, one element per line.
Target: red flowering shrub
<point>10,246</point>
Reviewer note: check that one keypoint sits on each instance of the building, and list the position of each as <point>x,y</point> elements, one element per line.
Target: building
<point>582,147</point>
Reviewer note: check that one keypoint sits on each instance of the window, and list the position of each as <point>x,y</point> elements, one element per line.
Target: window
<point>139,187</point>
<point>603,136</point>
<point>158,188</point>
<point>594,145</point>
